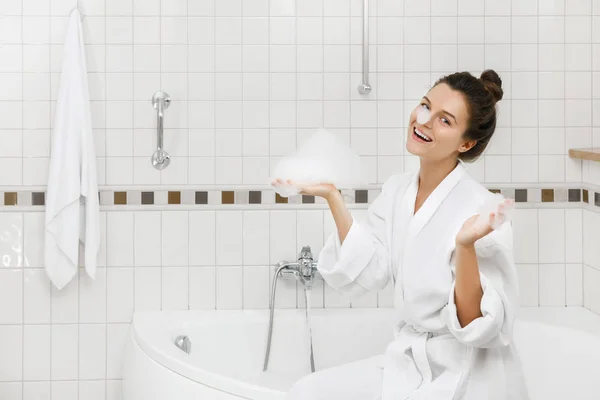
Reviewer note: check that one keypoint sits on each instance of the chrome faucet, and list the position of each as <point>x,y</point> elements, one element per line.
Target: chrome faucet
<point>305,271</point>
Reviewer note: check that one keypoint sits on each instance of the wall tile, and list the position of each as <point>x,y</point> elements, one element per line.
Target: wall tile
<point>229,237</point>
<point>175,242</point>
<point>528,284</point>
<point>92,351</point>
<point>36,390</point>
<point>175,288</point>
<point>119,305</point>
<point>65,349</point>
<point>552,284</point>
<point>147,288</point>
<point>11,292</point>
<point>202,281</point>
<point>120,239</point>
<point>574,285</point>
<point>256,287</point>
<point>92,297</point>
<point>229,288</point>
<point>11,346</point>
<point>591,281</point>
<point>36,352</point>
<point>37,297</point>
<point>551,236</point>
<point>526,230</point>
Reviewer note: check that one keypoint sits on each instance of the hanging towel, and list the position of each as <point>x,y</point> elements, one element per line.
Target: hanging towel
<point>72,204</point>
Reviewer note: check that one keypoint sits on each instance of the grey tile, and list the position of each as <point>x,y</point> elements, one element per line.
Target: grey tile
<point>597,199</point>
<point>521,195</point>
<point>254,197</point>
<point>38,198</point>
<point>308,199</point>
<point>361,196</point>
<point>201,198</point>
<point>147,198</point>
<point>574,195</point>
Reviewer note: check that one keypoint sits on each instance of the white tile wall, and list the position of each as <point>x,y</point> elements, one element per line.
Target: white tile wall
<point>233,68</point>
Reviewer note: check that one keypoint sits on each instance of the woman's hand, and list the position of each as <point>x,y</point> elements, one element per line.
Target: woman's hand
<point>324,190</point>
<point>472,231</point>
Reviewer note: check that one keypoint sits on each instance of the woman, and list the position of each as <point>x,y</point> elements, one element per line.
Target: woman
<point>455,280</point>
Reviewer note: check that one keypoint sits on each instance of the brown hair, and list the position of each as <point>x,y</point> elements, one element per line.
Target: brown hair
<point>481,95</point>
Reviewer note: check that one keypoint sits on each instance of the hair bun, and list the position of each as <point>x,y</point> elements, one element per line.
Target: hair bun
<point>492,83</point>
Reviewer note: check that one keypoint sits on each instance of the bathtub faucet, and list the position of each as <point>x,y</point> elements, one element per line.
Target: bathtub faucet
<point>305,269</point>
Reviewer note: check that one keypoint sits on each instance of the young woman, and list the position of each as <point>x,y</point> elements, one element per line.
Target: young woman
<point>455,280</point>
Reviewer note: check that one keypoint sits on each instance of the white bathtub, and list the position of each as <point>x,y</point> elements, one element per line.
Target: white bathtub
<point>559,348</point>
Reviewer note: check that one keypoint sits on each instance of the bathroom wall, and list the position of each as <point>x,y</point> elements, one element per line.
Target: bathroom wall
<point>250,80</point>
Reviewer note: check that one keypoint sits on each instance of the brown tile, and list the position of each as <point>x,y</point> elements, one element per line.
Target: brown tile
<point>308,199</point>
<point>255,197</point>
<point>280,200</point>
<point>174,198</point>
<point>574,195</point>
<point>120,198</point>
<point>147,197</point>
<point>38,198</point>
<point>227,197</point>
<point>495,190</point>
<point>361,196</point>
<point>10,198</point>
<point>547,195</point>
<point>201,198</point>
<point>521,195</point>
<point>585,196</point>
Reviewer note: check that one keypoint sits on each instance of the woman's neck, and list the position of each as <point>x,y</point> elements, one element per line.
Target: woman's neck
<point>432,173</point>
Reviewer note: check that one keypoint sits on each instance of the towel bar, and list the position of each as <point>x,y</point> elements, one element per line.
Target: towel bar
<point>160,101</point>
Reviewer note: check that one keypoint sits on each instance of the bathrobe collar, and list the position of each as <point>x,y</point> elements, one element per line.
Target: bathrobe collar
<point>431,204</point>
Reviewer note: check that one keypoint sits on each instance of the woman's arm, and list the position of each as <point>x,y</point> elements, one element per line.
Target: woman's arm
<point>340,213</point>
<point>467,288</point>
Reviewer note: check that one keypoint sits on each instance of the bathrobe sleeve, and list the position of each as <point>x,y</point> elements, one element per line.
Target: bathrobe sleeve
<point>362,262</point>
<point>499,303</point>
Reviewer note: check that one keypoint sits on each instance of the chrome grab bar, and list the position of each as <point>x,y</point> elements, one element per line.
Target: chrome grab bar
<point>365,87</point>
<point>160,101</point>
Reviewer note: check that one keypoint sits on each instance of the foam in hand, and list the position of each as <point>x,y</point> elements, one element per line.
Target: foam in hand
<point>502,214</point>
<point>321,159</point>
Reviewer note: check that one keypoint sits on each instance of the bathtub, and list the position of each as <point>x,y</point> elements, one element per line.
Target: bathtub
<point>559,349</point>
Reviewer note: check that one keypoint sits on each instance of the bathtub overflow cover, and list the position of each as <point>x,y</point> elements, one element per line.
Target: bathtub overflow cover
<point>184,343</point>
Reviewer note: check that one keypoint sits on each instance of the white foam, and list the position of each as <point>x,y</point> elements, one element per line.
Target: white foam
<point>321,159</point>
<point>492,206</point>
<point>423,116</point>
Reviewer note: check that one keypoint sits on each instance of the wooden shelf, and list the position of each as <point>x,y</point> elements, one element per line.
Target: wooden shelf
<point>591,154</point>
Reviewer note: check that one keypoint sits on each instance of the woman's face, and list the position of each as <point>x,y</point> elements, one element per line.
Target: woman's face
<point>443,132</point>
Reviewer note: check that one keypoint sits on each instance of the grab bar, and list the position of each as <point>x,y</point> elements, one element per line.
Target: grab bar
<point>160,101</point>
<point>365,87</point>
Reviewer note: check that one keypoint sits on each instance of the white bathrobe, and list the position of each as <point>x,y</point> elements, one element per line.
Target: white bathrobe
<point>432,357</point>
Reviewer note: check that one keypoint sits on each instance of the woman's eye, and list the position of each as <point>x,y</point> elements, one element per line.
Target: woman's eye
<point>446,121</point>
<point>425,106</point>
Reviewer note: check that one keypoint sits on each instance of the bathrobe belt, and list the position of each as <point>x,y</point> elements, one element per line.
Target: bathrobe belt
<point>416,339</point>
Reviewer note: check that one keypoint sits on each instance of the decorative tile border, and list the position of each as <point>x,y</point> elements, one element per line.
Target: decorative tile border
<point>252,197</point>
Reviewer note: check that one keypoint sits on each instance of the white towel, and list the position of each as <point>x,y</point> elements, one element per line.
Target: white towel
<point>72,204</point>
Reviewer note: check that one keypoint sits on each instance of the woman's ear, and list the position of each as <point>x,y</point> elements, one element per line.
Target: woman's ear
<point>466,146</point>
